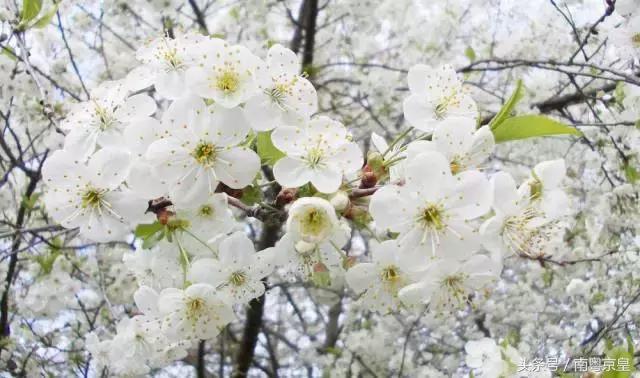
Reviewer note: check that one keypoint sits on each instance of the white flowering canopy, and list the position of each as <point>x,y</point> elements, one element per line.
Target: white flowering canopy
<point>267,188</point>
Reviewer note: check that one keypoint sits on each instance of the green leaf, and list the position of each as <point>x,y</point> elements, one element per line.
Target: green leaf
<point>45,19</point>
<point>619,370</point>
<point>528,126</point>
<point>268,153</point>
<point>46,261</point>
<point>631,173</point>
<point>8,52</point>
<point>147,229</point>
<point>507,108</point>
<point>29,203</point>
<point>251,195</point>
<point>618,93</point>
<point>470,53</point>
<point>30,9</point>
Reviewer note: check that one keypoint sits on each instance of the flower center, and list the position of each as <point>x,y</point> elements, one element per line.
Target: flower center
<point>228,81</point>
<point>635,39</point>
<point>523,239</point>
<point>171,59</point>
<point>454,285</point>
<point>92,198</point>
<point>390,274</point>
<point>445,103</point>
<point>432,217</point>
<point>238,278</point>
<point>205,211</point>
<point>205,153</point>
<point>313,222</point>
<point>195,308</point>
<point>535,189</point>
<point>105,118</point>
<point>456,165</point>
<point>280,91</point>
<point>315,156</point>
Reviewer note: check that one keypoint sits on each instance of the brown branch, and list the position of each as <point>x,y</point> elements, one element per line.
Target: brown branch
<point>358,193</point>
<point>271,228</point>
<point>71,57</point>
<point>23,213</point>
<point>561,102</point>
<point>309,34</point>
<point>199,16</point>
<point>258,211</point>
<point>253,321</point>
<point>201,370</point>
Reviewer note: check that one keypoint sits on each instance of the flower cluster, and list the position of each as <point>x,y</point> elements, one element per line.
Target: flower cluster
<point>173,148</point>
<point>451,221</point>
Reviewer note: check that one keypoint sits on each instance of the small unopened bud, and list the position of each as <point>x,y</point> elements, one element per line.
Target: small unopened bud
<point>164,216</point>
<point>339,201</point>
<point>304,247</point>
<point>321,276</point>
<point>320,267</point>
<point>286,196</point>
<point>348,262</point>
<point>358,215</point>
<point>368,180</point>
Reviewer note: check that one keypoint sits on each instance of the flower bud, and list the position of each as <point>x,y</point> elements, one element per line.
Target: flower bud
<point>304,247</point>
<point>286,196</point>
<point>339,201</point>
<point>348,262</point>
<point>321,276</point>
<point>164,215</point>
<point>368,180</point>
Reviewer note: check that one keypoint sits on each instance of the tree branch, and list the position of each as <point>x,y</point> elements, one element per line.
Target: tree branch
<point>199,16</point>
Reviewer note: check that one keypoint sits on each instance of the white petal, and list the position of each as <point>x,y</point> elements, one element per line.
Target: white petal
<point>379,143</point>
<point>137,106</point>
<point>147,300</point>
<point>207,270</point>
<point>291,173</point>
<point>392,209</point>
<point>282,60</point>
<point>429,175</point>
<point>551,173</point>
<point>326,179</point>
<point>237,167</point>
<point>262,113</point>
<point>471,196</point>
<point>416,294</point>
<point>290,140</point>
<point>109,167</point>
<point>171,84</point>
<point>81,141</point>
<point>505,193</point>
<point>454,136</point>
<point>236,250</point>
<point>348,158</point>
<point>231,126</point>
<point>361,276</point>
<point>482,146</point>
<point>62,169</point>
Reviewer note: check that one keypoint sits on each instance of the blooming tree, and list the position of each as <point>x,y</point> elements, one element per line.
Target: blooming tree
<point>290,188</point>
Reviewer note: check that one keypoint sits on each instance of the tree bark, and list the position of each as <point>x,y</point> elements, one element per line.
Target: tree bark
<point>271,227</point>
<point>253,321</point>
